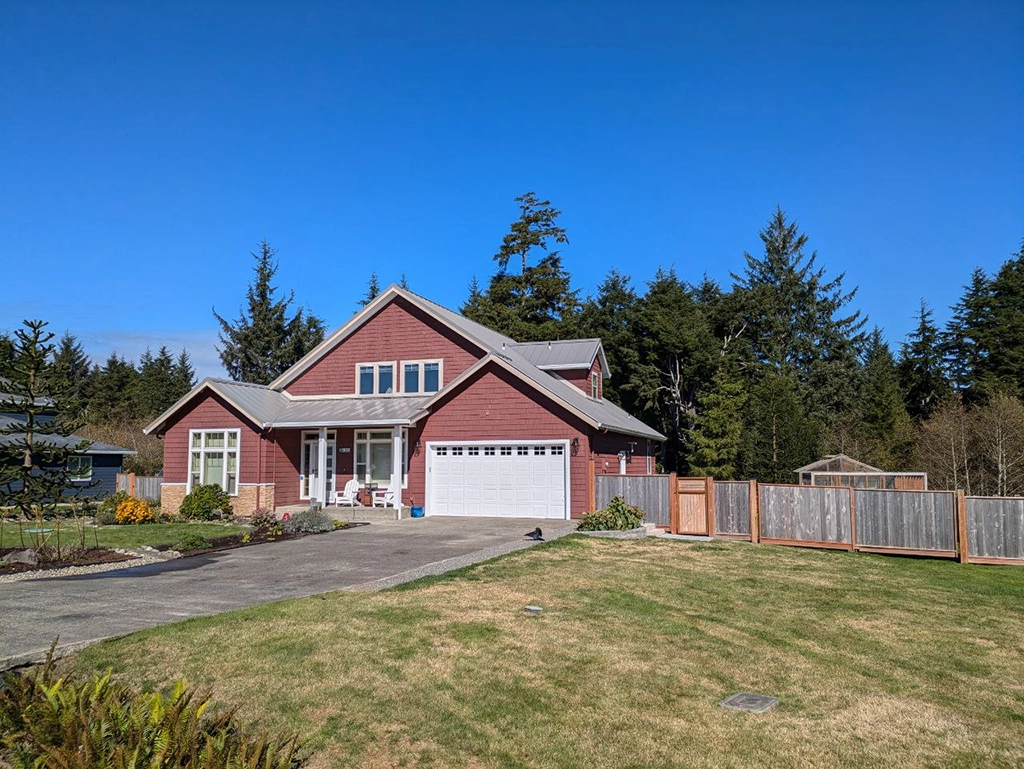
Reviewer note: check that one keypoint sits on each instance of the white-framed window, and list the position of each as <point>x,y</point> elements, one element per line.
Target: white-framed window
<point>595,384</point>
<point>421,376</point>
<point>213,458</point>
<point>376,378</point>
<point>373,457</point>
<point>80,468</point>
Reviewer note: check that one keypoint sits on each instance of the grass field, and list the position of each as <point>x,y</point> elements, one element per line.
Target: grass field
<point>878,661</point>
<point>151,534</point>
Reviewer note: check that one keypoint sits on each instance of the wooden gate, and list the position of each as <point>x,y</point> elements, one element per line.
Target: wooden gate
<point>693,511</point>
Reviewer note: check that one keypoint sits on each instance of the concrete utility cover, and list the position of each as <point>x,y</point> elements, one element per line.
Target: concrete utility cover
<point>751,703</point>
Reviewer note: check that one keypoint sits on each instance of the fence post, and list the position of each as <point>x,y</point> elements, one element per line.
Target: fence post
<point>960,513</point>
<point>591,485</point>
<point>853,523</point>
<point>755,519</point>
<point>673,503</point>
<point>709,504</point>
<point>131,484</point>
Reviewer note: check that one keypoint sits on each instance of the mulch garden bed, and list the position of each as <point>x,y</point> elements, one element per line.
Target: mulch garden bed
<point>89,556</point>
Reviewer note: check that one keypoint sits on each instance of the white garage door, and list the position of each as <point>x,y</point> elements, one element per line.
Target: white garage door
<point>522,480</point>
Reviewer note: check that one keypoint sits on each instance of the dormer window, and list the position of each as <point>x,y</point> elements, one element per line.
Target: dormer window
<point>595,385</point>
<point>375,378</point>
<point>421,376</point>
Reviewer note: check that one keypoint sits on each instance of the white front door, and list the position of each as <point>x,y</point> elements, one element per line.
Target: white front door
<point>310,470</point>
<point>522,480</point>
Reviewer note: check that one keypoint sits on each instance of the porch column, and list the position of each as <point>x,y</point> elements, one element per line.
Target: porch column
<point>321,467</point>
<point>396,468</point>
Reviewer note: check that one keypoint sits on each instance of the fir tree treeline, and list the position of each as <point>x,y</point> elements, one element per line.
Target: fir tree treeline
<point>758,378</point>
<point>113,402</point>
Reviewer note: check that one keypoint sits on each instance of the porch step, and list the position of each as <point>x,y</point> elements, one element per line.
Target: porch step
<point>371,514</point>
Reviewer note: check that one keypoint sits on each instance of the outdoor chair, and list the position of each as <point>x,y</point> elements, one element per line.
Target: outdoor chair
<point>349,496</point>
<point>385,497</point>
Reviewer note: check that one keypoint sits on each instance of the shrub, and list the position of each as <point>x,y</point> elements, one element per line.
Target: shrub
<point>204,501</point>
<point>106,511</point>
<point>192,542</point>
<point>134,510</point>
<point>616,516</point>
<point>50,722</point>
<point>309,522</point>
<point>263,521</point>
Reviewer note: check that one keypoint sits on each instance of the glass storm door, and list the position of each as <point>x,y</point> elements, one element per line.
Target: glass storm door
<point>310,467</point>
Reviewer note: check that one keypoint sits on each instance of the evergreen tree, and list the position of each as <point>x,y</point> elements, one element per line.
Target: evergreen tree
<point>884,426</point>
<point>372,290</point>
<point>403,281</point>
<point>156,383</point>
<point>538,303</point>
<point>718,427</point>
<point>922,376</point>
<point>535,228</point>
<point>264,342</point>
<point>6,356</point>
<point>778,436</point>
<point>794,321</point>
<point>969,335</point>
<point>1006,346</point>
<point>184,376</point>
<point>677,354</point>
<point>70,364</point>
<point>114,392</point>
<point>611,316</point>
<point>34,472</point>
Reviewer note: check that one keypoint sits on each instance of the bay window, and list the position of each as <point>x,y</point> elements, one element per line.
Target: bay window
<point>213,459</point>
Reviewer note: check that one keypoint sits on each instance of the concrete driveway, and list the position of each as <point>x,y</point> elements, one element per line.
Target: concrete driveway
<point>87,608</point>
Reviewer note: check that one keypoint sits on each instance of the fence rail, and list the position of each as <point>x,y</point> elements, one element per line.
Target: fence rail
<point>651,493</point>
<point>141,486</point>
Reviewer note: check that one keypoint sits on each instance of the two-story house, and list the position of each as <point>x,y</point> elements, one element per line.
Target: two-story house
<point>408,394</point>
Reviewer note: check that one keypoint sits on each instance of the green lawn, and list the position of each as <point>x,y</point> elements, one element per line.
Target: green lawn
<point>879,661</point>
<point>124,536</point>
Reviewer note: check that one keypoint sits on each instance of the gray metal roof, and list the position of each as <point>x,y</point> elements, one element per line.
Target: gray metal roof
<point>270,406</point>
<point>561,354</point>
<point>350,411</point>
<point>63,441</point>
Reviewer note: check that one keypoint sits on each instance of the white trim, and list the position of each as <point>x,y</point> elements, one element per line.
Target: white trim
<point>355,452</point>
<point>354,423</point>
<point>237,450</point>
<point>428,488</point>
<point>421,362</point>
<point>352,396</point>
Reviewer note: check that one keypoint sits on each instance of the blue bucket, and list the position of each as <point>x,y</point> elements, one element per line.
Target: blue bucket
<point>417,512</point>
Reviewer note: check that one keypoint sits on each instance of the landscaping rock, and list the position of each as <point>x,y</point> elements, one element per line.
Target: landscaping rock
<point>22,556</point>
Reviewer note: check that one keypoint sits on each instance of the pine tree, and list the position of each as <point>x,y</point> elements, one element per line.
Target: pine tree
<point>535,228</point>
<point>778,435</point>
<point>921,371</point>
<point>1006,346</point>
<point>34,472</point>
<point>264,342</point>
<point>184,376</point>
<point>71,365</point>
<point>372,290</point>
<point>403,281</point>
<point>795,322</point>
<point>884,426</point>
<point>156,383</point>
<point>114,392</point>
<point>611,316</point>
<point>718,427</point>
<point>968,337</point>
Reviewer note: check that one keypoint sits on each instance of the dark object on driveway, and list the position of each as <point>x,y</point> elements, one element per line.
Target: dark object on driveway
<point>751,703</point>
<point>536,534</point>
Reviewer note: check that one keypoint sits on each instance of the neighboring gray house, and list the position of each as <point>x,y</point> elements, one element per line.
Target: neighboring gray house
<point>99,464</point>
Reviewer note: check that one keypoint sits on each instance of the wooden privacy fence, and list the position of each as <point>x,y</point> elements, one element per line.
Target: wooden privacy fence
<point>141,486</point>
<point>648,492</point>
<point>941,524</point>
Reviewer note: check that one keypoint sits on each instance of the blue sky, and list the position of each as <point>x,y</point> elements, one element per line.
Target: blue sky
<point>146,148</point>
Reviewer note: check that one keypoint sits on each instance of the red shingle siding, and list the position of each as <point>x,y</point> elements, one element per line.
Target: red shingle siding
<point>496,406</point>
<point>581,377</point>
<point>605,448</point>
<point>209,412</point>
<point>398,332</point>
